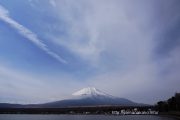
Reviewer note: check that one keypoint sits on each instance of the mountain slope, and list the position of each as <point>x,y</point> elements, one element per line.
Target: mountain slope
<point>90,97</point>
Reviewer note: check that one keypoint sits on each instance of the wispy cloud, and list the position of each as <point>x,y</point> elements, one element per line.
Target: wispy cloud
<point>21,87</point>
<point>52,2</point>
<point>120,38</point>
<point>4,16</point>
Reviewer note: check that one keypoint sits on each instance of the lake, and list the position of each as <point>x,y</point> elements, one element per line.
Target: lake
<point>81,117</point>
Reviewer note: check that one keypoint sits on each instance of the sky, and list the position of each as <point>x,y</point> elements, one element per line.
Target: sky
<point>49,49</point>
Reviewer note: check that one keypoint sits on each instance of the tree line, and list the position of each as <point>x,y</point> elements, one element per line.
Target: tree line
<point>172,104</point>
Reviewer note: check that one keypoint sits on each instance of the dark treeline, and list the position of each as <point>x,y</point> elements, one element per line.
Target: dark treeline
<point>172,104</point>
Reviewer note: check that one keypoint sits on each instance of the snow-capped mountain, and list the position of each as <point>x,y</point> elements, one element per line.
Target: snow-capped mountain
<point>90,92</point>
<point>91,96</point>
<point>85,97</point>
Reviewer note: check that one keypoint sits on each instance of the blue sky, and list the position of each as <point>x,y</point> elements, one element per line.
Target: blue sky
<point>51,48</point>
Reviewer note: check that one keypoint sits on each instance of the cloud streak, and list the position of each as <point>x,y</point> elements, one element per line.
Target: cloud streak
<point>28,34</point>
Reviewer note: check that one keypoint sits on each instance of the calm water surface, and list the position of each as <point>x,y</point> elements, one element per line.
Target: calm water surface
<point>81,117</point>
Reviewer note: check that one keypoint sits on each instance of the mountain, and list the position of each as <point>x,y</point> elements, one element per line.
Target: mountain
<point>85,97</point>
<point>90,97</point>
<point>8,105</point>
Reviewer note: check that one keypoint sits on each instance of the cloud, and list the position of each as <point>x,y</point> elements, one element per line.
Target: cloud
<point>22,87</point>
<point>97,29</point>
<point>28,34</point>
<point>19,87</point>
<point>120,38</point>
<point>53,3</point>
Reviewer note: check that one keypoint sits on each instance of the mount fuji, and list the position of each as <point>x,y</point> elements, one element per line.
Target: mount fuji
<point>89,96</point>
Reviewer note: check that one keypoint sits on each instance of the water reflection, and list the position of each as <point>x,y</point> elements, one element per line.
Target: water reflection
<point>82,117</point>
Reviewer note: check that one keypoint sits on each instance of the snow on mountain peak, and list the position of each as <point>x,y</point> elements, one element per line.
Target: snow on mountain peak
<point>89,91</point>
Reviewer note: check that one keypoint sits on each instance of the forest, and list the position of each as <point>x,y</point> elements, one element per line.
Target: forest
<point>171,104</point>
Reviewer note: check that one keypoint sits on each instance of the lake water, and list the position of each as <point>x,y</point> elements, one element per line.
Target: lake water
<point>81,117</point>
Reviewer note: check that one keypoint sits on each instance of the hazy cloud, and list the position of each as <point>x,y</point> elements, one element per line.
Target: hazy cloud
<point>122,38</point>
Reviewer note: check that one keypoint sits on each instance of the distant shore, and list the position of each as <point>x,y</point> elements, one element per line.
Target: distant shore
<point>115,110</point>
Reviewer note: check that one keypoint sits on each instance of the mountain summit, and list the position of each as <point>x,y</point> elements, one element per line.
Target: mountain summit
<point>89,92</point>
